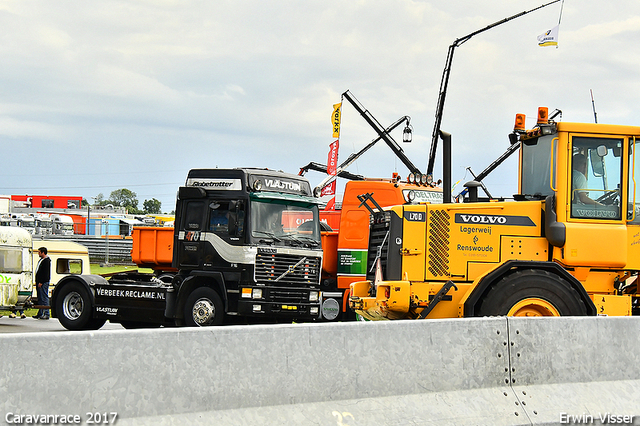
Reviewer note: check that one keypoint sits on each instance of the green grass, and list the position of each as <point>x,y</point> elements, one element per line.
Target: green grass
<point>96,269</point>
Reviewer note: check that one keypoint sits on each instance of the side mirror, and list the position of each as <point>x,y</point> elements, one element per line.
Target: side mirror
<point>233,217</point>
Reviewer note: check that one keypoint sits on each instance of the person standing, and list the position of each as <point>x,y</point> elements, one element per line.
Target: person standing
<point>43,276</point>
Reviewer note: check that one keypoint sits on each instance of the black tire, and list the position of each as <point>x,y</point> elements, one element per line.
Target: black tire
<point>95,324</point>
<point>130,325</point>
<point>532,292</point>
<point>74,308</point>
<point>203,308</point>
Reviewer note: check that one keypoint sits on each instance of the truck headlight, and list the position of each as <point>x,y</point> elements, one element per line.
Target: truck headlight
<point>257,293</point>
<point>314,296</point>
<point>314,311</point>
<point>257,308</point>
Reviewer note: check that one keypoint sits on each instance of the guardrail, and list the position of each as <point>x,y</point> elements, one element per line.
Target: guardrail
<point>486,371</point>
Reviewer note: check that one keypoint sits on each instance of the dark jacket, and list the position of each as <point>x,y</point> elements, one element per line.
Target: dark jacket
<point>43,274</point>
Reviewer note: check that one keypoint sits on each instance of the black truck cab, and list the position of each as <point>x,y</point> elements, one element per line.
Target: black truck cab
<point>246,244</point>
<point>237,232</point>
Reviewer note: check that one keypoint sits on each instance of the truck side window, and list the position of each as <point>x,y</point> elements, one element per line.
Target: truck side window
<point>222,216</point>
<point>219,217</point>
<point>596,167</point>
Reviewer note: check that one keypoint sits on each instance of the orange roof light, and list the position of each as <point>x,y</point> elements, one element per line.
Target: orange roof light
<point>543,115</point>
<point>519,122</point>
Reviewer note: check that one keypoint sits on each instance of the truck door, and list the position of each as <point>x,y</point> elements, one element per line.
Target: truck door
<point>596,231</point>
<point>224,237</point>
<point>633,205</point>
<point>189,245</point>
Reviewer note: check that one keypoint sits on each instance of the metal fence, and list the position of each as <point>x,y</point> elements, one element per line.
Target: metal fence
<point>101,250</point>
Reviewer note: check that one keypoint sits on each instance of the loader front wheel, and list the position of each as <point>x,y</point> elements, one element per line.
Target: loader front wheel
<point>532,293</point>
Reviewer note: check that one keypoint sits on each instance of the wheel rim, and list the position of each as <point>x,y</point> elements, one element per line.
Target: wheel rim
<point>533,307</point>
<point>72,305</point>
<point>203,312</point>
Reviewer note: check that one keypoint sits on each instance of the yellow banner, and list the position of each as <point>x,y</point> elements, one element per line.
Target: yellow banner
<point>335,119</point>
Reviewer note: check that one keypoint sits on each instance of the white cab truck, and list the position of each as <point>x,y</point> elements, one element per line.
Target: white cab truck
<point>62,224</point>
<point>19,259</point>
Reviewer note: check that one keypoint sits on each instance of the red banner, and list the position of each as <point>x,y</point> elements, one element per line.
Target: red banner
<point>332,168</point>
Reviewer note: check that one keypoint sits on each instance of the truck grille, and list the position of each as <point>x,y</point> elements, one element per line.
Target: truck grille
<point>439,243</point>
<point>283,295</point>
<point>287,269</point>
<point>378,239</point>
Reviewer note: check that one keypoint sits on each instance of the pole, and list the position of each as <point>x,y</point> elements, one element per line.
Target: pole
<point>593,105</point>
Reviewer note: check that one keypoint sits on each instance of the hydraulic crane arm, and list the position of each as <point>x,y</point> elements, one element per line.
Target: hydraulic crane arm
<point>382,132</point>
<point>444,82</point>
<point>340,171</point>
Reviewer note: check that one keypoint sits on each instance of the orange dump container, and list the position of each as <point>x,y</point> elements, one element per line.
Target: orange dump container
<point>152,247</point>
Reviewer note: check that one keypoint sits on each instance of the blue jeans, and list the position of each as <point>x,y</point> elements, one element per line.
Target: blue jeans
<point>43,299</point>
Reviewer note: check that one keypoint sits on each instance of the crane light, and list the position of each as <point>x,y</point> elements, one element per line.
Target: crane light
<point>519,126</point>
<point>407,134</point>
<point>543,115</point>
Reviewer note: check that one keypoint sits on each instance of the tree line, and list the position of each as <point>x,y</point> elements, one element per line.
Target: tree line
<point>128,199</point>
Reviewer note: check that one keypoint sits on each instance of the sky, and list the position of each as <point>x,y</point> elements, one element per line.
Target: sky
<point>99,96</point>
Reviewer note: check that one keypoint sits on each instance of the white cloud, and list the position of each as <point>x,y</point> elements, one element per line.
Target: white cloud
<point>145,90</point>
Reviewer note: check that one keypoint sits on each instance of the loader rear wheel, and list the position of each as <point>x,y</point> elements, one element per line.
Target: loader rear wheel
<point>532,293</point>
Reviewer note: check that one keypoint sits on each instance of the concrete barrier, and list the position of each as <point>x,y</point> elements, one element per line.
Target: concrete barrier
<point>492,371</point>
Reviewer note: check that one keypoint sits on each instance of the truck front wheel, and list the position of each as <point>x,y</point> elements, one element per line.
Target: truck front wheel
<point>203,308</point>
<point>532,293</point>
<point>73,308</point>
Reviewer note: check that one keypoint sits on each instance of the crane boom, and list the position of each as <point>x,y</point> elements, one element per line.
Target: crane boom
<point>444,82</point>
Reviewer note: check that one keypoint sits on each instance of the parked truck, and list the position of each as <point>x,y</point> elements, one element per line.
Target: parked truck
<point>233,256</point>
<point>563,247</point>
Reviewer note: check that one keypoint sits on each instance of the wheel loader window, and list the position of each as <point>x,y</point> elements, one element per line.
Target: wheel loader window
<point>596,172</point>
<point>633,205</point>
<point>537,169</point>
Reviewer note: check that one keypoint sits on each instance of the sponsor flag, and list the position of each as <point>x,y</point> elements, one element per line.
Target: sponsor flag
<point>550,38</point>
<point>332,161</point>
<point>335,119</point>
<point>332,169</point>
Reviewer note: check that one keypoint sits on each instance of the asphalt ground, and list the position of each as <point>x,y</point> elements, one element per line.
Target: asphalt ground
<point>30,325</point>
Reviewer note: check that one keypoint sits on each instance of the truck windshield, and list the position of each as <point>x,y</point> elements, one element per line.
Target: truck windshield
<point>535,173</point>
<point>279,222</point>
